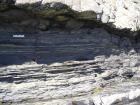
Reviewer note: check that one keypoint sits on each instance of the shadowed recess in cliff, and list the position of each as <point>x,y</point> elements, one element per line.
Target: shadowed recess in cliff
<point>60,46</point>
<point>53,32</point>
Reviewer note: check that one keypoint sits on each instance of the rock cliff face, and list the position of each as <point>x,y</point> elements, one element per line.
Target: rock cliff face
<point>69,52</point>
<point>122,13</point>
<point>80,67</point>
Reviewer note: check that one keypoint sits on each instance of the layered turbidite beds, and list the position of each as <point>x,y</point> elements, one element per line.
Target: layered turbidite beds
<point>69,52</point>
<point>81,67</point>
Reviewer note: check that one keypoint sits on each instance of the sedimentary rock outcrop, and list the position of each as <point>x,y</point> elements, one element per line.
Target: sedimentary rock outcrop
<point>69,52</point>
<point>96,68</point>
<point>122,13</point>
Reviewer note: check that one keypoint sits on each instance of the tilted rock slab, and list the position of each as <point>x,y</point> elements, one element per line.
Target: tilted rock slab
<point>63,85</point>
<point>122,13</point>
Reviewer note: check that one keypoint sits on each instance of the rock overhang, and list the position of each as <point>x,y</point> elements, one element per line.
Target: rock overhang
<point>122,13</point>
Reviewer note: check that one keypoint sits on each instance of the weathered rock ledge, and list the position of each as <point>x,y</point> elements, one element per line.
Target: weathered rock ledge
<point>122,13</point>
<point>70,54</point>
<point>38,16</point>
<point>67,83</point>
<point>90,67</point>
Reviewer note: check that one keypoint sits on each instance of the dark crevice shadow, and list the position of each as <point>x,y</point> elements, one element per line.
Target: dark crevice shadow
<point>46,49</point>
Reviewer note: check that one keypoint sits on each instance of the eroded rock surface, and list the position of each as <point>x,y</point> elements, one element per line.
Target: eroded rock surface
<point>122,13</point>
<point>118,14</point>
<point>87,67</point>
<point>67,55</point>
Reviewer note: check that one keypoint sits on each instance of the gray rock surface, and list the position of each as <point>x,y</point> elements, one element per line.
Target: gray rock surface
<point>58,61</point>
<point>80,67</point>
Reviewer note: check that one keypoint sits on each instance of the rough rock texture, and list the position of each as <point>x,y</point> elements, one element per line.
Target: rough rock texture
<point>68,52</point>
<point>122,13</point>
<point>96,68</point>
